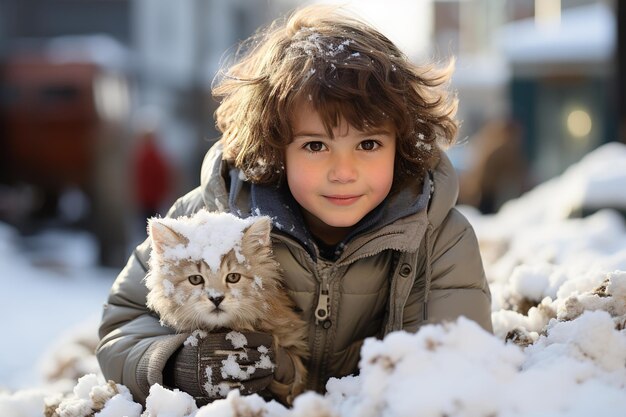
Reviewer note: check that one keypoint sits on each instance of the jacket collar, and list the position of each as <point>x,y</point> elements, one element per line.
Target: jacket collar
<point>279,204</point>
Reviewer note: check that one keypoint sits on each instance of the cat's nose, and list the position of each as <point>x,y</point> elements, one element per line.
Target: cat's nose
<point>217,300</point>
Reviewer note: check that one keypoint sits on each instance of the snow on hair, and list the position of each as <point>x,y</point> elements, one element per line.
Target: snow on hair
<point>344,68</point>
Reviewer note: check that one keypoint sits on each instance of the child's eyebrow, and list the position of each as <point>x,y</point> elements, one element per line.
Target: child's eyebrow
<point>374,131</point>
<point>378,131</point>
<point>309,135</point>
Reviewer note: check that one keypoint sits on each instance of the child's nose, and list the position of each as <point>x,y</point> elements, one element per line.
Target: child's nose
<point>343,169</point>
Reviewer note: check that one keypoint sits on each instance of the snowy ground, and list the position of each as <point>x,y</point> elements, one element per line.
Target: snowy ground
<point>559,299</point>
<point>50,287</point>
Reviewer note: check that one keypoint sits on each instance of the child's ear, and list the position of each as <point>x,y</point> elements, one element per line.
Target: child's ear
<point>258,233</point>
<point>163,237</point>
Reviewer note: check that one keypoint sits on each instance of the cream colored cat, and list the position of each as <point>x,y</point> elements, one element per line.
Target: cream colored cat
<point>214,270</point>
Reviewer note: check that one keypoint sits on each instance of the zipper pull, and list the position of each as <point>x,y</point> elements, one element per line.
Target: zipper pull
<point>322,311</point>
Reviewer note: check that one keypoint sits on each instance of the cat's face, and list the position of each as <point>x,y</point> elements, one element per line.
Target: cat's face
<point>190,295</point>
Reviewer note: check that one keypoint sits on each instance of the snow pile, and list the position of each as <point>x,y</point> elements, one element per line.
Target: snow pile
<point>603,187</point>
<point>24,403</point>
<point>577,369</point>
<point>71,355</point>
<point>546,265</point>
<point>458,369</point>
<point>596,181</point>
<point>167,403</point>
<point>92,395</point>
<point>542,263</point>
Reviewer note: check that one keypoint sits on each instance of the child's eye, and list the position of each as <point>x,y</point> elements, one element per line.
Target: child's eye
<point>196,279</point>
<point>233,278</point>
<point>314,146</point>
<point>369,145</point>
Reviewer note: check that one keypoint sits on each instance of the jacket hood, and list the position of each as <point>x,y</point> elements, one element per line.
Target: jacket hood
<point>446,191</point>
<point>224,189</point>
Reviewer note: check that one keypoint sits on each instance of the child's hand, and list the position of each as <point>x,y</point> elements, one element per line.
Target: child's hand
<point>224,361</point>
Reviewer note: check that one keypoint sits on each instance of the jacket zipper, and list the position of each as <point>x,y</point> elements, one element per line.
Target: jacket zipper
<point>322,324</point>
<point>322,311</point>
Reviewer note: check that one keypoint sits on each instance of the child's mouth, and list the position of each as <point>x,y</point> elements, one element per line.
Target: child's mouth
<point>342,200</point>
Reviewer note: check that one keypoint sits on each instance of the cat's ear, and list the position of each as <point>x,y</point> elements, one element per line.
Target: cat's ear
<point>258,233</point>
<point>163,237</point>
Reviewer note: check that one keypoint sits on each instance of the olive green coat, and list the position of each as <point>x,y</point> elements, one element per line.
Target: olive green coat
<point>421,268</point>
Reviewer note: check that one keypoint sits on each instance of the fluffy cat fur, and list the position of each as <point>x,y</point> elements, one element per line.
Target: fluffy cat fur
<point>256,301</point>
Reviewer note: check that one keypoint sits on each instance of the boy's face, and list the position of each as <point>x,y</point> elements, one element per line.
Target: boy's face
<point>337,181</point>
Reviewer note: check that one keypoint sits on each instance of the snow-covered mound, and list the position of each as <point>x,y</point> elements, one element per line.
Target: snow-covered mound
<point>544,262</point>
<point>576,369</point>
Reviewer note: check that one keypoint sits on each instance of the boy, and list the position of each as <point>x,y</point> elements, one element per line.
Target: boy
<point>333,133</point>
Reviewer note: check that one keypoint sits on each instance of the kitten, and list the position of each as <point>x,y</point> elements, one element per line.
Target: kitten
<point>215,270</point>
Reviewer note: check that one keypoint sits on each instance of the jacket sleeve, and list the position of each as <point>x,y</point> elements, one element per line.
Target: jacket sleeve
<point>134,347</point>
<point>451,280</point>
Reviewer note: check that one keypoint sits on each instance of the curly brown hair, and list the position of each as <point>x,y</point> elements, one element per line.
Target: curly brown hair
<point>345,68</point>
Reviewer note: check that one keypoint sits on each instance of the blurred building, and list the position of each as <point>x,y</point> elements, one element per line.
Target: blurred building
<point>562,84</point>
<point>547,65</point>
<point>76,78</point>
<point>179,48</point>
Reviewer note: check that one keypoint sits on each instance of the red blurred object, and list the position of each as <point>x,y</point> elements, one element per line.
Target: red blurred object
<point>152,175</point>
<point>57,139</point>
<point>50,122</point>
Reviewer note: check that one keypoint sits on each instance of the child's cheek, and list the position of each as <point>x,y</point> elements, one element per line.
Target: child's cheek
<point>302,187</point>
<point>303,174</point>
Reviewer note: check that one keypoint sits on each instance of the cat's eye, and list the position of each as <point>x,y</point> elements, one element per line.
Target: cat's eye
<point>196,279</point>
<point>233,277</point>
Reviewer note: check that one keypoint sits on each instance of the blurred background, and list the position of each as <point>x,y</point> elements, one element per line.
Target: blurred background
<point>106,112</point>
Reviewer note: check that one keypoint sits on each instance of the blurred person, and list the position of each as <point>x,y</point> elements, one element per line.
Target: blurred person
<point>152,175</point>
<point>498,170</point>
<point>328,129</point>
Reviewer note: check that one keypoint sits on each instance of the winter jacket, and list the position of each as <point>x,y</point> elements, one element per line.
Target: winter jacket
<point>413,260</point>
